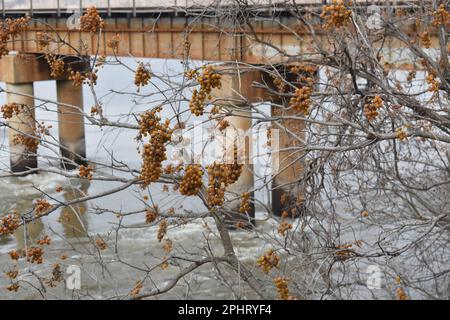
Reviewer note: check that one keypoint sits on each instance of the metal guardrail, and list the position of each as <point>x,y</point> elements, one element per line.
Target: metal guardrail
<point>164,6</point>
<point>32,9</point>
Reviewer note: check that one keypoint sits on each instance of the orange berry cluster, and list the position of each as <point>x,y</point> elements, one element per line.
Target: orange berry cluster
<point>191,182</point>
<point>151,215</point>
<point>301,100</point>
<point>239,224</point>
<point>425,38</point>
<point>16,26</point>
<point>79,78</point>
<point>91,77</point>
<point>219,177</point>
<point>9,28</point>
<point>14,287</point>
<point>186,48</point>
<point>441,17</point>
<point>216,184</point>
<point>137,288</point>
<point>142,76</point>
<point>46,240</point>
<point>208,80</point>
<point>308,68</point>
<point>43,39</point>
<point>42,206</point>
<point>282,288</point>
<point>31,142</point>
<point>245,206</point>
<point>114,42</point>
<point>292,204</point>
<point>401,134</point>
<point>91,21</point>
<point>401,294</point>
<point>168,245</point>
<point>306,79</point>
<point>434,84</point>
<point>279,83</point>
<point>57,276</point>
<point>162,230</point>
<point>149,122</point>
<point>154,152</point>
<point>234,170</point>
<point>9,223</point>
<point>57,66</point>
<point>35,255</point>
<point>14,254</point>
<point>411,76</point>
<point>284,227</point>
<point>335,15</point>
<point>343,253</point>
<point>97,109</point>
<point>215,110</point>
<point>12,274</point>
<point>153,155</point>
<point>164,265</point>
<point>170,169</point>
<point>268,261</point>
<point>100,243</point>
<point>85,172</point>
<point>191,74</point>
<point>11,109</point>
<point>371,109</point>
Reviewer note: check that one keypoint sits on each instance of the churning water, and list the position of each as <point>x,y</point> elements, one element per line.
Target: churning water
<point>71,227</point>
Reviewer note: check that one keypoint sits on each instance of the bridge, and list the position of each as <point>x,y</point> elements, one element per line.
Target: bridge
<point>160,29</point>
<point>178,29</point>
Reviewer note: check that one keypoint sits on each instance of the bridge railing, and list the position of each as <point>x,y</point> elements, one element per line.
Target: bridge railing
<point>21,5</point>
<point>11,7</point>
<point>66,6</point>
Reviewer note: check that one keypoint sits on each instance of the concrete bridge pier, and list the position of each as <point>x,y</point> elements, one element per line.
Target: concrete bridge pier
<point>22,127</point>
<point>287,165</point>
<point>287,193</point>
<point>19,72</point>
<point>235,97</point>
<point>71,124</point>
<point>237,151</point>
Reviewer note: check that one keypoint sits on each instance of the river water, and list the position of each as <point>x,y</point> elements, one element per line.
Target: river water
<point>71,227</point>
<point>114,272</point>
